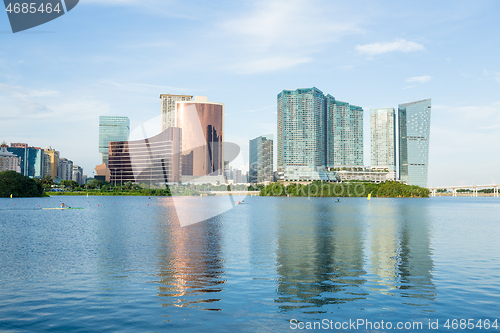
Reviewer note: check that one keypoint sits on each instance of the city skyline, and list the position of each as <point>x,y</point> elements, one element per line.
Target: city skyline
<point>58,78</point>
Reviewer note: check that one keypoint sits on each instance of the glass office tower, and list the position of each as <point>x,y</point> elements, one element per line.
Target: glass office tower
<point>261,159</point>
<point>31,160</point>
<point>344,134</point>
<point>112,129</point>
<point>414,130</point>
<point>382,139</point>
<point>202,125</point>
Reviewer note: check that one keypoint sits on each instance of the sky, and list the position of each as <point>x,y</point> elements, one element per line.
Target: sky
<point>115,57</point>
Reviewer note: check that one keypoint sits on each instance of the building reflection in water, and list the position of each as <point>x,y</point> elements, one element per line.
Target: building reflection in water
<point>320,256</point>
<point>190,268</point>
<point>401,252</point>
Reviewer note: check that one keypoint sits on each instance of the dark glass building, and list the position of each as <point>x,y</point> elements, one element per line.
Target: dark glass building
<point>156,160</point>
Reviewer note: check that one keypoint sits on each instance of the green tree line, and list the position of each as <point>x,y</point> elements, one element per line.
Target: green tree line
<point>19,186</point>
<point>388,189</point>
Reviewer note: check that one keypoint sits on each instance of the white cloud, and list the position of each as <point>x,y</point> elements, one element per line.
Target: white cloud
<point>497,77</point>
<point>419,79</point>
<point>274,35</point>
<point>399,45</point>
<point>268,64</point>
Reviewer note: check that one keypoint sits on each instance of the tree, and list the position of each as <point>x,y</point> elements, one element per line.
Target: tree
<point>17,185</point>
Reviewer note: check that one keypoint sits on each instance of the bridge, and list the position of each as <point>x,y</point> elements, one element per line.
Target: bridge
<point>473,187</point>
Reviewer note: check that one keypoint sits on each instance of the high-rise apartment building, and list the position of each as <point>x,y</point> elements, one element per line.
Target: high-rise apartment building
<point>77,175</point>
<point>168,109</point>
<point>344,134</point>
<point>261,159</point>
<point>9,161</point>
<point>31,159</point>
<point>301,141</point>
<point>316,132</point>
<point>414,129</point>
<point>65,169</point>
<point>54,161</point>
<point>112,129</point>
<point>46,165</point>
<point>383,140</point>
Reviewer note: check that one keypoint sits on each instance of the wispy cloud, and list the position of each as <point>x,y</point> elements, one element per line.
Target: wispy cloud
<point>265,108</point>
<point>399,45</point>
<point>419,79</point>
<point>497,77</point>
<point>129,86</point>
<point>280,34</point>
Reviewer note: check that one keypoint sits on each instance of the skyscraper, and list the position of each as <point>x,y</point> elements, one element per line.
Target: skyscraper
<point>301,134</point>
<point>65,169</point>
<point>316,132</point>
<point>383,139</point>
<point>31,159</point>
<point>54,161</point>
<point>112,129</point>
<point>344,134</point>
<point>414,130</point>
<point>168,109</point>
<point>261,159</point>
<point>78,174</point>
<point>202,125</point>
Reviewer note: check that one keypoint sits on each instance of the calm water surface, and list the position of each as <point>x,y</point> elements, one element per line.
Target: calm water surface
<point>125,264</point>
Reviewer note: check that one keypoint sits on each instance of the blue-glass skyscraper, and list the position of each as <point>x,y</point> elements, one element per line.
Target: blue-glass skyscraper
<point>414,130</point>
<point>31,160</point>
<point>261,159</point>
<point>112,129</point>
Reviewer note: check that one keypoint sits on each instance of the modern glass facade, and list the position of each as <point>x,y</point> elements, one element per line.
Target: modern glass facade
<point>112,129</point>
<point>202,125</point>
<point>316,132</point>
<point>344,134</point>
<point>382,138</point>
<point>168,109</point>
<point>414,130</point>
<point>156,160</point>
<point>261,159</point>
<point>31,160</point>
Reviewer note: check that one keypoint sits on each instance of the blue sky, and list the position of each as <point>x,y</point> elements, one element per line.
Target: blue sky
<point>115,57</point>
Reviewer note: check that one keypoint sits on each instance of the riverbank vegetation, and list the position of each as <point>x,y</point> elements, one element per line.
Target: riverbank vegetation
<point>96,187</point>
<point>388,189</point>
<point>19,186</point>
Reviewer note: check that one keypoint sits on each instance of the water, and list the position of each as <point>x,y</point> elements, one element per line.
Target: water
<point>123,265</point>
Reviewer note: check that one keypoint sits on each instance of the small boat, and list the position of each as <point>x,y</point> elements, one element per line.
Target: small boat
<point>64,208</point>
